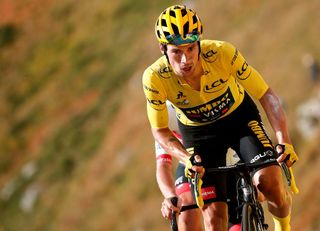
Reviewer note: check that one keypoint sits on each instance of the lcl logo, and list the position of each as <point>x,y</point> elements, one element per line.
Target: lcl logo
<point>209,56</point>
<point>242,71</point>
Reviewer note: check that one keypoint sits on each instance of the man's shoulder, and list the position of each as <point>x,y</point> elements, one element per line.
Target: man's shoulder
<point>159,64</point>
<point>215,45</point>
<point>159,68</point>
<point>213,51</point>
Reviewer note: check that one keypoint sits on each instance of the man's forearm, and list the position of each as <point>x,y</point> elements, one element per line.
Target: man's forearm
<point>170,143</point>
<point>276,116</point>
<point>165,180</point>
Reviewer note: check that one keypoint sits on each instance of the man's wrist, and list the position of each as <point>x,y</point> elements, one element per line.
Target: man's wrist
<point>170,195</point>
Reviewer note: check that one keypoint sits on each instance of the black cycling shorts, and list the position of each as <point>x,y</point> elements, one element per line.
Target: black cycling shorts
<point>242,130</point>
<point>208,193</point>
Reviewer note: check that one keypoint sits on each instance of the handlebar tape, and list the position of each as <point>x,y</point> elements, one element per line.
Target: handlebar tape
<point>288,172</point>
<point>293,186</point>
<point>197,190</point>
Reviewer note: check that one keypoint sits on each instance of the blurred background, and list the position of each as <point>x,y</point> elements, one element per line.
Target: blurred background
<point>76,151</point>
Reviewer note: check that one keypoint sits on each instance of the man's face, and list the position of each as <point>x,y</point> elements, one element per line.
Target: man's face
<point>183,59</point>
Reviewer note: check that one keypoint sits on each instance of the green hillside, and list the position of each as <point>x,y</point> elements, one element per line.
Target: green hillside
<point>76,152</point>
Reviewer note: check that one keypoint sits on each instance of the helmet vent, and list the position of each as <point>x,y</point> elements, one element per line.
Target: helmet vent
<point>175,29</point>
<point>166,33</point>
<point>185,28</point>
<point>172,13</point>
<point>194,18</point>
<point>183,12</point>
<point>163,22</point>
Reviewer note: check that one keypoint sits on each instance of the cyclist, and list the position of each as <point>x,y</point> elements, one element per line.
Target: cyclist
<point>210,85</point>
<point>191,218</point>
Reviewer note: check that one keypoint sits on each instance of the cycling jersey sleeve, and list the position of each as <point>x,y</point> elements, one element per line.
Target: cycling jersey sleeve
<point>156,99</point>
<point>161,155</point>
<point>245,74</point>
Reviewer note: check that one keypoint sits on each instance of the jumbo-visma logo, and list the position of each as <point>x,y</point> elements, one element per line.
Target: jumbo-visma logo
<point>259,131</point>
<point>211,110</point>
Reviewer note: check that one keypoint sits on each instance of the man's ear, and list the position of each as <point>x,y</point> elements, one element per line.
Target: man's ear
<point>161,46</point>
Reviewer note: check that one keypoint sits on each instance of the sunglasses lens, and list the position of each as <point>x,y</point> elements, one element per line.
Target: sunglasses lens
<point>178,40</point>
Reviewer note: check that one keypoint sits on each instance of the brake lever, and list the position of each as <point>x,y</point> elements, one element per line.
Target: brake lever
<point>288,172</point>
<point>279,148</point>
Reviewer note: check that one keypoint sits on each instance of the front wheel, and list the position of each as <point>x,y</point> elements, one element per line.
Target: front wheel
<point>249,219</point>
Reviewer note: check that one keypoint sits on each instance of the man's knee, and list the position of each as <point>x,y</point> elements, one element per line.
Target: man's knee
<point>215,215</point>
<point>190,220</point>
<point>269,181</point>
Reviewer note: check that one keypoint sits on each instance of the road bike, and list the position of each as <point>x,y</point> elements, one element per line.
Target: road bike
<point>251,211</point>
<point>252,214</point>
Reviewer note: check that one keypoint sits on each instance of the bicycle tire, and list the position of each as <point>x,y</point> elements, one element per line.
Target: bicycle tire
<point>249,220</point>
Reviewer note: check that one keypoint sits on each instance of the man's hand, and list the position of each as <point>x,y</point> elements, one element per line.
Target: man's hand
<point>287,154</point>
<point>168,208</point>
<point>193,165</point>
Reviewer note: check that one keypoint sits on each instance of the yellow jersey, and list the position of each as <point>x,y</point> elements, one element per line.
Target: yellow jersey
<point>225,79</point>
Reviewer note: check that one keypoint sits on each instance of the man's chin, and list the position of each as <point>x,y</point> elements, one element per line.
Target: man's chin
<point>185,74</point>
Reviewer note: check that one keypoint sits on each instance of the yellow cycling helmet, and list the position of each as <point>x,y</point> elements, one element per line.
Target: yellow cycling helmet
<point>178,25</point>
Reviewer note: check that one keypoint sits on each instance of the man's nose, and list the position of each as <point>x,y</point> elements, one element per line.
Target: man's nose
<point>184,58</point>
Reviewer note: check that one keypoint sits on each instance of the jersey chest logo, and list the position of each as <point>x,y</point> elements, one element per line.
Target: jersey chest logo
<point>210,56</point>
<point>183,99</point>
<point>211,110</point>
<point>214,86</point>
<point>165,72</point>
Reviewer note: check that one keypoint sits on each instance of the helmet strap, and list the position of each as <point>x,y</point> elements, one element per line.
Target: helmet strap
<point>199,50</point>
<point>165,48</point>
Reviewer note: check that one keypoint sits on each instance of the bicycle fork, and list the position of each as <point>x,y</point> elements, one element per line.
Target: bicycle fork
<point>250,196</point>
